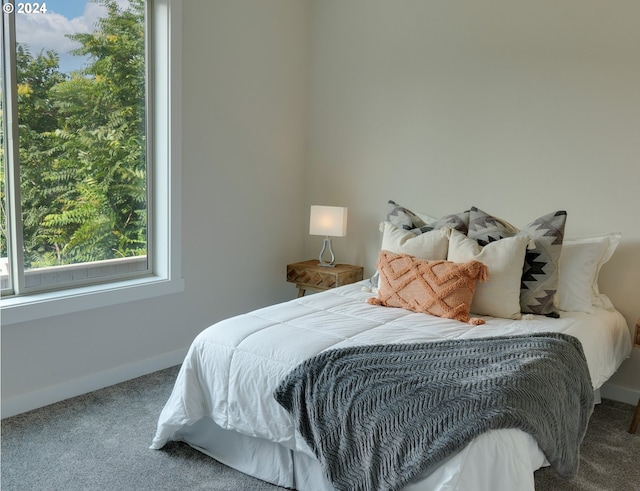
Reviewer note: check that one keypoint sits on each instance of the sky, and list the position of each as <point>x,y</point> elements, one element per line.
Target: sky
<point>47,30</point>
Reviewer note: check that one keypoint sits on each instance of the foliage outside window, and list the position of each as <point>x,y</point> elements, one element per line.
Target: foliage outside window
<point>82,147</point>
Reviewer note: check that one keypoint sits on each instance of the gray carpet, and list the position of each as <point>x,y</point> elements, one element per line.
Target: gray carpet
<point>99,441</point>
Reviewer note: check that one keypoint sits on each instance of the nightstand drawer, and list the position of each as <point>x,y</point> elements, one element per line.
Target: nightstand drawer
<point>308,276</point>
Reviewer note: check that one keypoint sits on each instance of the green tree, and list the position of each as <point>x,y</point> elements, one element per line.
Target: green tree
<point>82,145</point>
<point>37,119</point>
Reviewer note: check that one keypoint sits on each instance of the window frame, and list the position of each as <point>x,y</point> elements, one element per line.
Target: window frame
<point>164,177</point>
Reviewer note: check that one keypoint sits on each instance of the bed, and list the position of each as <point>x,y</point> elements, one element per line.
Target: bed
<point>223,402</point>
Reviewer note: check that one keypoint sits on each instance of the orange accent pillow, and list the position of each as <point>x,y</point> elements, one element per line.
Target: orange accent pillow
<point>441,288</point>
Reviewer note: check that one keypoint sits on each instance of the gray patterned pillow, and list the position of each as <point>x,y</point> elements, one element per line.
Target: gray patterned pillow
<point>539,281</point>
<point>405,219</point>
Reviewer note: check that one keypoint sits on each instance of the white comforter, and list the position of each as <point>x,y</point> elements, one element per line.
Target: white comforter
<point>233,367</point>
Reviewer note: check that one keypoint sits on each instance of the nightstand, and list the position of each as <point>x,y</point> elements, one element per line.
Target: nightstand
<point>308,276</point>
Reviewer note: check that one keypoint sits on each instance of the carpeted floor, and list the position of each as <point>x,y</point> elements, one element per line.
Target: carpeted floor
<point>99,441</point>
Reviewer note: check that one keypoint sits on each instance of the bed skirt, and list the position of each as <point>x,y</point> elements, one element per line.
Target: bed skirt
<point>471,468</point>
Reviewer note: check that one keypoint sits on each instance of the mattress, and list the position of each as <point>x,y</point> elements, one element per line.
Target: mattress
<point>226,383</point>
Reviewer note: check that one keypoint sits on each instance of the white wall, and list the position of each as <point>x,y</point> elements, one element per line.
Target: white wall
<point>245,101</point>
<point>244,127</point>
<point>517,107</point>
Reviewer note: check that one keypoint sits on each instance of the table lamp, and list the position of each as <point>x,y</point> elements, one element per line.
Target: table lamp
<point>328,221</point>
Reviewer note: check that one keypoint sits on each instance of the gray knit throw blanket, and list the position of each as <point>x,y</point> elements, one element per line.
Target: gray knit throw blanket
<point>378,416</point>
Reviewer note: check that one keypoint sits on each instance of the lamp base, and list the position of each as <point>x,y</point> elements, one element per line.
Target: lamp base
<point>326,247</point>
<point>327,265</point>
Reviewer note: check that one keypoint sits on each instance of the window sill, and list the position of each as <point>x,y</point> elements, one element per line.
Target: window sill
<point>43,305</point>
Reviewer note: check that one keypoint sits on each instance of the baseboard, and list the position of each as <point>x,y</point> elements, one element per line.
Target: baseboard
<point>73,388</point>
<point>620,394</point>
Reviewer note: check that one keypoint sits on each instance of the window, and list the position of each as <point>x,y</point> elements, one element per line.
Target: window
<point>90,152</point>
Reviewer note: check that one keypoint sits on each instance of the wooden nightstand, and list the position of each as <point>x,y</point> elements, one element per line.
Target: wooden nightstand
<point>308,276</point>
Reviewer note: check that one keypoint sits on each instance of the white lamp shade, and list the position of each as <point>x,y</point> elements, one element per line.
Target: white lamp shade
<point>328,221</point>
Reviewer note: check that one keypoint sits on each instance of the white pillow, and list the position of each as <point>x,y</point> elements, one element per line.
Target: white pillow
<point>499,296</point>
<point>578,269</point>
<point>431,245</point>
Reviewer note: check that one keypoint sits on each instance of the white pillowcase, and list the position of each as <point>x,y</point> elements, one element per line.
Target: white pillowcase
<point>499,296</point>
<point>578,269</point>
<point>431,245</point>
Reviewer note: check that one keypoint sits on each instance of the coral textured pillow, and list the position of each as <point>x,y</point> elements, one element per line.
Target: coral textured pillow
<point>441,288</point>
